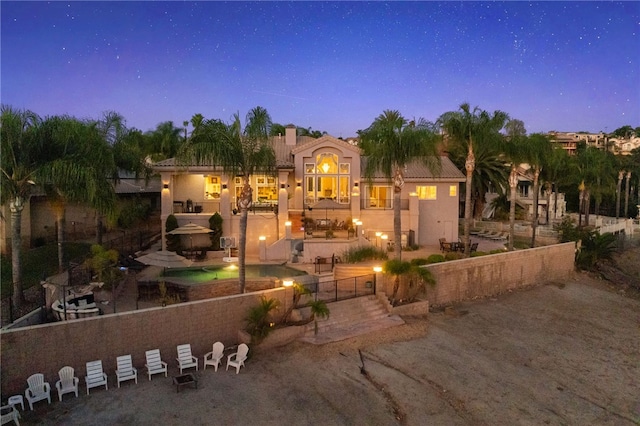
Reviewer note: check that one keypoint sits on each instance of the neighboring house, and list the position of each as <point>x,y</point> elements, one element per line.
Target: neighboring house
<point>624,146</point>
<point>524,198</point>
<point>619,146</point>
<point>38,217</point>
<point>317,178</point>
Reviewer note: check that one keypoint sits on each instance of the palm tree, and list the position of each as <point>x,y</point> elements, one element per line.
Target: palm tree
<point>390,144</point>
<point>164,141</point>
<point>555,173</point>
<point>538,152</point>
<point>240,152</point>
<point>79,169</point>
<point>319,309</point>
<point>413,270</point>
<point>515,153</point>
<point>21,160</point>
<point>471,129</point>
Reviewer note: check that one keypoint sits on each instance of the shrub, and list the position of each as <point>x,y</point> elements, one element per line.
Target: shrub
<point>259,323</point>
<point>436,258</point>
<point>363,253</point>
<point>215,223</point>
<point>453,255</point>
<point>595,247</point>
<point>173,241</point>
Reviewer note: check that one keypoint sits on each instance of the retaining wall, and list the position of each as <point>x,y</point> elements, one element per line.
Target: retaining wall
<point>485,276</point>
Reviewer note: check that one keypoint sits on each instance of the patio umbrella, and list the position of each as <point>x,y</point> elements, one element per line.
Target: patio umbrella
<point>164,258</point>
<point>191,229</point>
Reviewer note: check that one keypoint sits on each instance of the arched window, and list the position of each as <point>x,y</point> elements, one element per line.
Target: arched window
<point>327,179</point>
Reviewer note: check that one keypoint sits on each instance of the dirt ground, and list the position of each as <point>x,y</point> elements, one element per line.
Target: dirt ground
<point>561,354</point>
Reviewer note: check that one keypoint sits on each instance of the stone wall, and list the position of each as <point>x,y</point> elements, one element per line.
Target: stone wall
<point>49,347</point>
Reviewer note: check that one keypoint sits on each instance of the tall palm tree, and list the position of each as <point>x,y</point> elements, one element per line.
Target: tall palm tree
<point>471,129</point>
<point>390,144</point>
<point>21,161</point>
<point>79,163</point>
<point>239,152</point>
<point>515,154</point>
<point>555,173</point>
<point>538,152</point>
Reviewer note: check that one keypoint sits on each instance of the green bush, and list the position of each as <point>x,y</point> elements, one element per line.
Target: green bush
<point>435,258</point>
<point>361,254</point>
<point>259,323</point>
<point>215,223</point>
<point>173,241</point>
<point>453,255</point>
<point>479,253</point>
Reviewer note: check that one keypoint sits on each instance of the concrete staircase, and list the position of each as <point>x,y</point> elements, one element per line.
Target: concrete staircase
<point>350,318</point>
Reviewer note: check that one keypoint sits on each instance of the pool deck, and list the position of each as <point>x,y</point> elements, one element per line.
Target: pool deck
<point>126,299</point>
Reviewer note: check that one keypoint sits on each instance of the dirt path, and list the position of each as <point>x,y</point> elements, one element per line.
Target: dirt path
<point>566,353</point>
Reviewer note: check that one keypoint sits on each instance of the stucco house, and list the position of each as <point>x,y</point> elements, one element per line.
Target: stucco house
<point>320,179</point>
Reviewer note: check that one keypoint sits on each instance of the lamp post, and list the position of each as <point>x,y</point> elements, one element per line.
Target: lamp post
<point>287,284</point>
<point>376,271</point>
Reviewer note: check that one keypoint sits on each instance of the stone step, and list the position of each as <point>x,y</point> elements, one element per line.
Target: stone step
<point>350,318</point>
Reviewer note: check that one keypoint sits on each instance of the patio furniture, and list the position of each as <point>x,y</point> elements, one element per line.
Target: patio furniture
<point>95,376</point>
<point>215,356</point>
<point>185,359</point>
<point>185,379</point>
<point>15,400</point>
<point>68,382</point>
<point>8,414</point>
<point>237,359</point>
<point>125,370</point>
<point>154,363</point>
<point>38,389</point>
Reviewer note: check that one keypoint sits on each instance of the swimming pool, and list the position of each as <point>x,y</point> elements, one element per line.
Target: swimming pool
<point>211,273</point>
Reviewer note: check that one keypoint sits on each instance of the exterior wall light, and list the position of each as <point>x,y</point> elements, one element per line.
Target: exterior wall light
<point>287,283</point>
<point>224,186</point>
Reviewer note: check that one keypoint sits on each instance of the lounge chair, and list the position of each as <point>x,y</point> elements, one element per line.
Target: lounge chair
<point>215,356</point>
<point>125,370</point>
<point>154,363</point>
<point>68,382</point>
<point>95,376</point>
<point>237,359</point>
<point>38,389</point>
<point>185,359</point>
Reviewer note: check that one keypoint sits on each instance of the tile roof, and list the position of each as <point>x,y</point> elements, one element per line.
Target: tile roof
<point>418,170</point>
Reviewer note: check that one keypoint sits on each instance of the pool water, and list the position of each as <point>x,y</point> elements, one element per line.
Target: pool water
<point>210,273</point>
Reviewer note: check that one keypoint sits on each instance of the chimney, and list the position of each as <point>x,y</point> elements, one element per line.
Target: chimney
<point>290,135</point>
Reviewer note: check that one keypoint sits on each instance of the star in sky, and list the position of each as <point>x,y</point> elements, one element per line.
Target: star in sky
<point>331,66</point>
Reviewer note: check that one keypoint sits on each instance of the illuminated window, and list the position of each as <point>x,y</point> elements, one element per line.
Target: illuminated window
<point>453,190</point>
<point>378,197</point>
<point>212,187</point>
<point>327,179</point>
<point>428,192</point>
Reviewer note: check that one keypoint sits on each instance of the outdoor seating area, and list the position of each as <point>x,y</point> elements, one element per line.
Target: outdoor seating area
<point>455,246</point>
<point>38,388</point>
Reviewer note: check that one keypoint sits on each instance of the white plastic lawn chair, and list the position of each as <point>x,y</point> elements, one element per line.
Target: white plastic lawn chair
<point>215,356</point>
<point>95,376</point>
<point>68,382</point>
<point>125,370</point>
<point>185,359</point>
<point>8,414</point>
<point>155,364</point>
<point>38,389</point>
<point>237,359</point>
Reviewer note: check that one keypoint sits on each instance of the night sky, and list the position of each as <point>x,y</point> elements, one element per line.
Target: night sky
<point>333,66</point>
